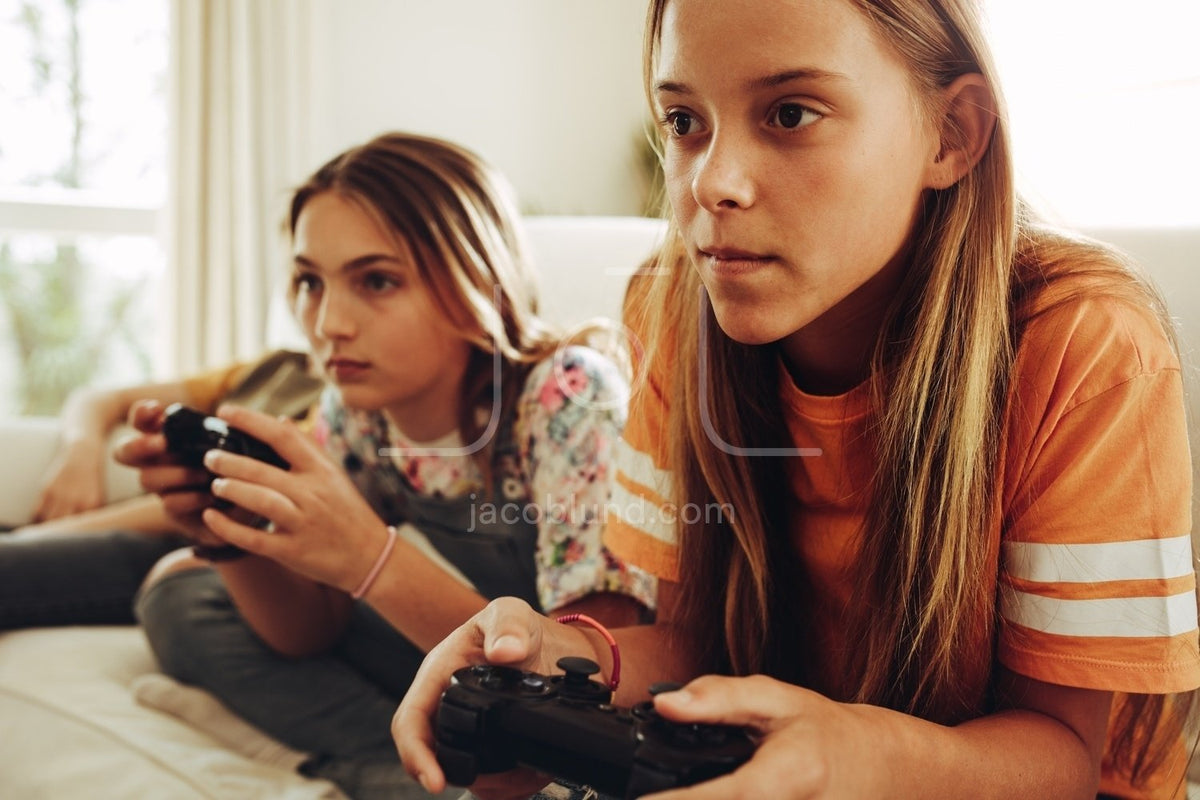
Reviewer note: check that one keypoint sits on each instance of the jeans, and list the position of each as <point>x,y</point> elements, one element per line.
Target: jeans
<point>78,579</point>
<point>337,706</point>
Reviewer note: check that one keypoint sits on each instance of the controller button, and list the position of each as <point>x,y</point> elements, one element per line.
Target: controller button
<point>643,710</point>
<point>664,686</point>
<point>533,683</point>
<point>480,669</point>
<point>607,708</point>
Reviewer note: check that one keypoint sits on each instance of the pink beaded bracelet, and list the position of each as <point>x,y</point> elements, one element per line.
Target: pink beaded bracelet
<point>377,568</point>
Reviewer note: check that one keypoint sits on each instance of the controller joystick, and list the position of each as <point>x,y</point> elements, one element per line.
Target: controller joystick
<point>576,684</point>
<point>492,719</point>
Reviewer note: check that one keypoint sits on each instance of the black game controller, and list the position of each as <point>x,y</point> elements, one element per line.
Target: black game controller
<point>190,434</point>
<point>493,719</point>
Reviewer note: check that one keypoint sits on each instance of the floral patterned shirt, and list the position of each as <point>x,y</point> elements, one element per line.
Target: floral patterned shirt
<point>568,420</point>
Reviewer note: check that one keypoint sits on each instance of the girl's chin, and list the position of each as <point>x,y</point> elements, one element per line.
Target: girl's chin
<point>749,328</point>
<point>359,399</point>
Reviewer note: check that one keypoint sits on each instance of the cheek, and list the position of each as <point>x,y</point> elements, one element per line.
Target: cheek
<point>677,179</point>
<point>304,311</point>
<point>872,200</point>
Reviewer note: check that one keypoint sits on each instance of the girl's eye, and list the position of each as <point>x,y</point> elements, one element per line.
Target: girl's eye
<point>679,122</point>
<point>380,281</point>
<point>302,282</point>
<point>793,115</point>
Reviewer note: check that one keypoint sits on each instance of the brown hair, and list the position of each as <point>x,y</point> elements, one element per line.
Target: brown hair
<point>459,217</point>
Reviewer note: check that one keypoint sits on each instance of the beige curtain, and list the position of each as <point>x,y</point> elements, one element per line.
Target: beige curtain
<point>239,144</point>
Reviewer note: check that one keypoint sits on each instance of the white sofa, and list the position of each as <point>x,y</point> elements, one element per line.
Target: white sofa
<point>71,725</point>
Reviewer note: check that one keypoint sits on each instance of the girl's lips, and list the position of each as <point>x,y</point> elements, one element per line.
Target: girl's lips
<point>344,369</point>
<point>730,261</point>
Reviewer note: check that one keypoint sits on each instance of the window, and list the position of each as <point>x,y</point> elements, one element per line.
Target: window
<point>1105,108</point>
<point>82,186</point>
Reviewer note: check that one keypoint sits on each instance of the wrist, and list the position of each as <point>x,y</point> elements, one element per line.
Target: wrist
<point>580,640</point>
<point>384,552</point>
<point>83,443</point>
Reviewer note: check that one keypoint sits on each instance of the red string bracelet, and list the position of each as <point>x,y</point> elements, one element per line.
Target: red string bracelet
<point>608,637</point>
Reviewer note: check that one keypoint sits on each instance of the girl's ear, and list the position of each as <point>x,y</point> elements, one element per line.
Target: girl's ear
<point>966,125</point>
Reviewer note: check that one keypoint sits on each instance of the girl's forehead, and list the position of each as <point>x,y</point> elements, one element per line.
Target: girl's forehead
<point>771,35</point>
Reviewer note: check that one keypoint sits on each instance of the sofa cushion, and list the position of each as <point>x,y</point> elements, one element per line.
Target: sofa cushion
<point>72,728</point>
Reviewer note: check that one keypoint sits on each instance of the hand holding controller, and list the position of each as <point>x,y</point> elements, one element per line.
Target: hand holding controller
<point>493,719</point>
<point>190,434</point>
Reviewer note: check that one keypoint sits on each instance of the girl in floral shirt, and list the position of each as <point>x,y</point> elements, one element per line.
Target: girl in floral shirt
<point>471,453</point>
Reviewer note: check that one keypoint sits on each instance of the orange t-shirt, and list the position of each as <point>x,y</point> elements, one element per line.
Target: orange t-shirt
<point>1096,584</point>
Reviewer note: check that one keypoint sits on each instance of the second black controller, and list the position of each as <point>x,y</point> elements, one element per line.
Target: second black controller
<point>190,434</point>
<point>493,719</point>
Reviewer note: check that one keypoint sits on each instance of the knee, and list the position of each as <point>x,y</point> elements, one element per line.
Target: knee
<point>174,608</point>
<point>172,563</point>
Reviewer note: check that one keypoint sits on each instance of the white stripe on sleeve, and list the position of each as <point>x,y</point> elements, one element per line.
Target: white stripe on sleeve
<point>640,513</point>
<point>640,467</point>
<point>1142,559</point>
<point>1131,617</point>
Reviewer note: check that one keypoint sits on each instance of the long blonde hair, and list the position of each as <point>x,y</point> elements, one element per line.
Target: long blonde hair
<point>943,361</point>
<point>459,216</point>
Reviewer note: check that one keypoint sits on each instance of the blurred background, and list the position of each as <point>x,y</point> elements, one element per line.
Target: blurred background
<point>147,146</point>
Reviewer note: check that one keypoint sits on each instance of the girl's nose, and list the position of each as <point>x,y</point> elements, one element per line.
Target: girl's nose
<point>723,179</point>
<point>335,317</point>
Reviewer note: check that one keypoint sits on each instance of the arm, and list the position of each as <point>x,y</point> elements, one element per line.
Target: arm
<point>328,537</point>
<point>143,514</point>
<point>294,615</point>
<point>75,480</point>
<point>1045,742</point>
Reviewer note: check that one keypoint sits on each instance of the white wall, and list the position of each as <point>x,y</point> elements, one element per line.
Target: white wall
<point>549,91</point>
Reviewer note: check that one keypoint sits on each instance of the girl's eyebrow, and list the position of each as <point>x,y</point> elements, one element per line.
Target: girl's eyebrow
<point>805,74</point>
<point>362,262</point>
<point>766,82</point>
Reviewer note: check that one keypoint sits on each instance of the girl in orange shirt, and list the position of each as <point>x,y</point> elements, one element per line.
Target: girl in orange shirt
<point>912,469</point>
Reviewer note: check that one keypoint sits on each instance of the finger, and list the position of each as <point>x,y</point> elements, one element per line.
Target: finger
<point>259,498</point>
<point>756,702</point>
<point>470,643</point>
<point>246,469</point>
<point>142,451</point>
<point>185,503</point>
<point>44,510</point>
<point>251,539</point>
<point>146,415</point>
<point>509,631</point>
<point>171,478</point>
<point>281,434</point>
<point>411,728</point>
